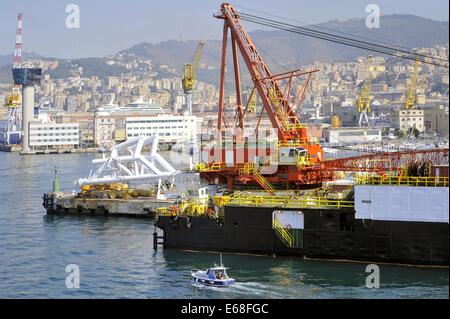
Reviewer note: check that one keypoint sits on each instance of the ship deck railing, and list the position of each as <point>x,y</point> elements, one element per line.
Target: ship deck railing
<point>423,181</point>
<point>247,199</point>
<point>283,234</point>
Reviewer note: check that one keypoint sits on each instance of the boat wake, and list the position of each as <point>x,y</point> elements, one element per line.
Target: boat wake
<point>245,289</point>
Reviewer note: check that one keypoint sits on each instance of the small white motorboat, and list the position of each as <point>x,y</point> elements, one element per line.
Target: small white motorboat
<point>214,276</point>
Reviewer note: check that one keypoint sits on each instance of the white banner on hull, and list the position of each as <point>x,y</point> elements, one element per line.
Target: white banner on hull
<point>402,203</point>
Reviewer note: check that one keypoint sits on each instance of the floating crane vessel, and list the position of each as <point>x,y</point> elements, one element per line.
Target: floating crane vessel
<point>278,194</point>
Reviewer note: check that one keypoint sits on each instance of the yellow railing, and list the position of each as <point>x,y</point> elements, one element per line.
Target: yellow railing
<point>290,123</point>
<point>215,166</point>
<point>248,169</point>
<point>166,211</point>
<point>303,161</point>
<point>284,201</point>
<point>283,234</point>
<point>280,111</point>
<point>223,200</point>
<point>297,143</point>
<point>427,181</point>
<point>294,127</point>
<point>263,181</point>
<point>191,207</point>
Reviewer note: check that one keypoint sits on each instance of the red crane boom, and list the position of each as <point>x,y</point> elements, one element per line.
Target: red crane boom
<point>274,100</point>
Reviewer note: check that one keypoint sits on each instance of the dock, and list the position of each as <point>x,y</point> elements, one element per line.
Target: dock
<point>10,148</point>
<point>18,148</point>
<point>60,203</point>
<point>59,151</point>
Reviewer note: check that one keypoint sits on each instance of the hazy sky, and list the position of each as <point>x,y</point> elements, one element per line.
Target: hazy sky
<point>108,26</point>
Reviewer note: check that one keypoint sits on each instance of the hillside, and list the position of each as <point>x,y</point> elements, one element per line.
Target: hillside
<point>280,49</point>
<point>283,50</point>
<point>406,30</point>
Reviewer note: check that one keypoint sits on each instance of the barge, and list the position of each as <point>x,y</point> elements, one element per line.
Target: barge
<point>390,223</point>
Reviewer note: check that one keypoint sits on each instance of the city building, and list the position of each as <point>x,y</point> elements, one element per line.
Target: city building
<point>104,127</point>
<point>48,136</point>
<point>352,135</point>
<point>169,128</point>
<point>436,120</point>
<point>407,119</point>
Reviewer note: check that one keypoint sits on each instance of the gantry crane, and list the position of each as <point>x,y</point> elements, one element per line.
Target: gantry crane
<point>13,123</point>
<point>189,75</point>
<point>411,92</point>
<point>363,101</point>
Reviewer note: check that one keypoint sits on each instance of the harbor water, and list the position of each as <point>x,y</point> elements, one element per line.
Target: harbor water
<point>116,259</point>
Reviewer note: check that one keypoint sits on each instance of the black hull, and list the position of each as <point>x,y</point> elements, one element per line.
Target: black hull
<point>327,233</point>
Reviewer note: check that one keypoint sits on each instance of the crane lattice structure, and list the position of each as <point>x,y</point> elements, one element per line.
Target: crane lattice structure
<point>411,92</point>
<point>364,99</point>
<point>190,69</point>
<point>13,100</point>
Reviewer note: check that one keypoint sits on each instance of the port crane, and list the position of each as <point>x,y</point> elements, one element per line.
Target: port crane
<point>13,123</point>
<point>411,92</point>
<point>363,101</point>
<point>190,69</point>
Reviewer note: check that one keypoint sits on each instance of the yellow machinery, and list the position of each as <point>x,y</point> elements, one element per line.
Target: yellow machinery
<point>411,92</point>
<point>363,100</point>
<point>252,103</point>
<point>13,100</point>
<point>115,190</point>
<point>335,121</point>
<point>190,69</point>
<point>421,90</point>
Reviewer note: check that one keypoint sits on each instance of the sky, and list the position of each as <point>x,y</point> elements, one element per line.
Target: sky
<point>109,26</point>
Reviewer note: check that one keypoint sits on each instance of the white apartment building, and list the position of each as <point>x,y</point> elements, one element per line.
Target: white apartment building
<point>406,119</point>
<point>352,135</point>
<point>54,136</point>
<point>170,129</point>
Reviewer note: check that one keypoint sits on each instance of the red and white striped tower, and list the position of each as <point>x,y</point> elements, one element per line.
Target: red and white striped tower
<point>17,63</point>
<point>13,126</point>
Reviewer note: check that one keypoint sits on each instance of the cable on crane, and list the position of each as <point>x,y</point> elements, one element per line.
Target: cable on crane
<point>340,32</point>
<point>383,49</point>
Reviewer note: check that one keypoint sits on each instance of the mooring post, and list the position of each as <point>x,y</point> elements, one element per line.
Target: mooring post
<point>155,240</point>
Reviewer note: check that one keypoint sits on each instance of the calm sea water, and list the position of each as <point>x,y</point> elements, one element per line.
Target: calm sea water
<point>116,258</point>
